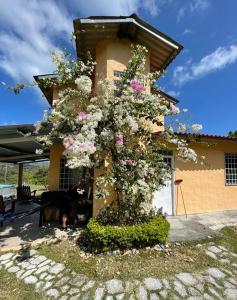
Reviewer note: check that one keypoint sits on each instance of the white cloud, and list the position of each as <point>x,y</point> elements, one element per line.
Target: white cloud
<point>151,6</point>
<point>198,5</point>
<point>217,60</point>
<point>117,7</point>
<point>192,7</point>
<point>31,29</point>
<point>187,31</point>
<point>27,36</point>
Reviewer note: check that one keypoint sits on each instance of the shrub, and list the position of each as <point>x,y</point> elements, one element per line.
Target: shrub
<point>127,213</point>
<point>106,237</point>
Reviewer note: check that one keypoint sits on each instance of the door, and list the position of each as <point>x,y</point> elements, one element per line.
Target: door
<point>164,197</point>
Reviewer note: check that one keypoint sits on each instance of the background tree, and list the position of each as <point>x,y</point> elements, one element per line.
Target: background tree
<point>232,133</point>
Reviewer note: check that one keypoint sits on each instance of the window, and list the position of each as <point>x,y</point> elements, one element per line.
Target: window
<point>68,177</point>
<point>231,168</point>
<point>117,92</point>
<point>118,74</point>
<point>117,82</point>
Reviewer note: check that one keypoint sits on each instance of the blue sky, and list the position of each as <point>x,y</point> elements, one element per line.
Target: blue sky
<point>203,77</point>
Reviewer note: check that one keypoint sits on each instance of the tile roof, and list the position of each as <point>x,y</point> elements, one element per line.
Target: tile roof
<point>205,135</point>
<point>201,136</point>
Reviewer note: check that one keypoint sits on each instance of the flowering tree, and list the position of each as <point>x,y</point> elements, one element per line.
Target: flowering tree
<point>103,126</point>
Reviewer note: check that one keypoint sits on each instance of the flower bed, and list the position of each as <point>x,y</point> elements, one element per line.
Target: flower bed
<point>106,237</point>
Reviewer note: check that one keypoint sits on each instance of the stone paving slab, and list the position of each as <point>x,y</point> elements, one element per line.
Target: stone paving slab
<point>200,226</point>
<point>55,281</point>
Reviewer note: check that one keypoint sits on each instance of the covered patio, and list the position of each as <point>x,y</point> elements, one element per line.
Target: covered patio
<point>18,145</point>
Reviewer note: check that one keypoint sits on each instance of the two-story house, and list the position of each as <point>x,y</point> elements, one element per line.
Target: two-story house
<point>193,188</point>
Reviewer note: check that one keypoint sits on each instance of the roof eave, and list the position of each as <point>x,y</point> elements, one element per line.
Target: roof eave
<point>177,47</point>
<point>46,91</point>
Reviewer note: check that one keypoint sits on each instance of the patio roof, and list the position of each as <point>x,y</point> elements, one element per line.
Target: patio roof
<point>18,144</point>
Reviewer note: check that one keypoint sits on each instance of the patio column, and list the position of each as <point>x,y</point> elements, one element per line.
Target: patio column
<point>20,173</point>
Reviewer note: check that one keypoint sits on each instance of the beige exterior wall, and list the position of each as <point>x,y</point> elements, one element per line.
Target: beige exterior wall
<point>203,186</point>
<point>113,55</point>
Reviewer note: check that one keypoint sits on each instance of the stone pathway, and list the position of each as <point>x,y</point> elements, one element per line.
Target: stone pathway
<point>54,281</point>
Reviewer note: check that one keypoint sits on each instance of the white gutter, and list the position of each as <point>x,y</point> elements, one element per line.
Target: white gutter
<point>131,20</point>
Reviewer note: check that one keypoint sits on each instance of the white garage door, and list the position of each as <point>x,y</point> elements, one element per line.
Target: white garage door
<point>164,197</point>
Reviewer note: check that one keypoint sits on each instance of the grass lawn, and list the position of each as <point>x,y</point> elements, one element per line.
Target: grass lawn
<point>12,288</point>
<point>39,189</point>
<point>185,257</point>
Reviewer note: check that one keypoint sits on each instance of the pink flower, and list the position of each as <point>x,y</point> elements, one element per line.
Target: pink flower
<point>133,83</point>
<point>68,142</point>
<point>91,146</point>
<point>136,86</point>
<point>118,139</point>
<point>81,116</point>
<point>140,88</point>
<point>131,162</point>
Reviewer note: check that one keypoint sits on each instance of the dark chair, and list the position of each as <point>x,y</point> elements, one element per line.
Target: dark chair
<point>25,194</point>
<point>51,199</point>
<point>3,210</point>
<point>57,199</point>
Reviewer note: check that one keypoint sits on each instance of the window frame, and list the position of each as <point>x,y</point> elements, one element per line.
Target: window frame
<point>66,175</point>
<point>228,181</point>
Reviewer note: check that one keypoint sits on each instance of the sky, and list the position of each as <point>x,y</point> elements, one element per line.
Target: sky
<point>203,76</point>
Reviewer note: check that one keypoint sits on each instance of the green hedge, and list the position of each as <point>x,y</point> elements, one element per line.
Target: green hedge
<point>107,237</point>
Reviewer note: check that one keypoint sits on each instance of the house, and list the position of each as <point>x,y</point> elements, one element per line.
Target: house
<point>193,188</point>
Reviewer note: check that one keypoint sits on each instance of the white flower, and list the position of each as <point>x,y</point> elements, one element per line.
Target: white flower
<point>187,154</point>
<point>174,110</point>
<point>39,151</point>
<point>196,127</point>
<point>58,57</point>
<point>38,126</point>
<point>132,123</point>
<point>84,84</point>
<point>80,191</point>
<point>182,127</point>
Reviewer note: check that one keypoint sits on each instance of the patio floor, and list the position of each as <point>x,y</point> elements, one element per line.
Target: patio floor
<point>23,232</point>
<point>200,226</point>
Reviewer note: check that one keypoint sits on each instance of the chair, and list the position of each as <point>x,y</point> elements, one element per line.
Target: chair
<point>52,211</point>
<point>3,210</point>
<point>25,194</point>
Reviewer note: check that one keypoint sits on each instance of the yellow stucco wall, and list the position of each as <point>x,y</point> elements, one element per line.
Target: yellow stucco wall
<point>203,186</point>
<point>113,55</point>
